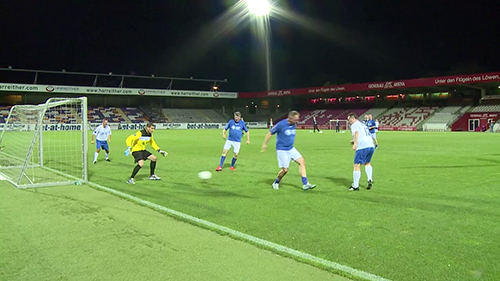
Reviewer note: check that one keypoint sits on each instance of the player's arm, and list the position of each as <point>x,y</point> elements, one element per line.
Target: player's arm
<point>93,135</point>
<point>266,140</point>
<point>131,141</point>
<point>109,136</point>
<point>248,132</point>
<point>156,147</point>
<point>355,140</point>
<point>225,129</point>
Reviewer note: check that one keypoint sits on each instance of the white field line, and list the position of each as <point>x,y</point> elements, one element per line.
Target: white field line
<point>246,237</point>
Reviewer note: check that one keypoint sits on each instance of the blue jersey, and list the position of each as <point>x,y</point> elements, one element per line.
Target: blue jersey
<point>285,135</point>
<point>371,123</point>
<point>235,130</point>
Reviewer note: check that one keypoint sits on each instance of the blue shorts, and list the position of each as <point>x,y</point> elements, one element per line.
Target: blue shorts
<point>364,155</point>
<point>102,144</point>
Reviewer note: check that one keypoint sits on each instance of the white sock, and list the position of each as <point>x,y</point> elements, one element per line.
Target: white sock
<point>369,172</point>
<point>95,156</point>
<point>107,155</point>
<point>356,175</point>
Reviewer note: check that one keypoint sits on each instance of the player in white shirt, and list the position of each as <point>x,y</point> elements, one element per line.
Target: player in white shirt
<point>103,135</point>
<point>362,143</point>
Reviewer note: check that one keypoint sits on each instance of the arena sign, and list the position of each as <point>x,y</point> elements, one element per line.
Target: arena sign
<point>30,88</point>
<point>371,86</point>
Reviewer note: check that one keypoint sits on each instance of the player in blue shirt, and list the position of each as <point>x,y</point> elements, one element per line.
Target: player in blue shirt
<point>285,130</point>
<point>236,128</point>
<point>372,127</point>
<point>363,144</point>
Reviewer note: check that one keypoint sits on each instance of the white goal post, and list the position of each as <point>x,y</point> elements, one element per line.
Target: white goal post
<point>343,125</point>
<point>45,145</point>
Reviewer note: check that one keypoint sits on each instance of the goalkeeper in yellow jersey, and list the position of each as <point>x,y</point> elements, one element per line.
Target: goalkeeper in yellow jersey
<point>136,145</point>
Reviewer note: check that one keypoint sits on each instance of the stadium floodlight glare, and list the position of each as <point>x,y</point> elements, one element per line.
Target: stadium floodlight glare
<point>259,7</point>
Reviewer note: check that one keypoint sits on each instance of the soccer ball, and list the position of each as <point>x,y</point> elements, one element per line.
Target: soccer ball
<point>205,175</point>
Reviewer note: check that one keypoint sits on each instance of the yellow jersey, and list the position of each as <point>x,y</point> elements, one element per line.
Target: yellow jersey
<point>139,140</point>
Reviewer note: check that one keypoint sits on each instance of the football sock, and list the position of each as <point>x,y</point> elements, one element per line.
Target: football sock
<point>369,172</point>
<point>304,180</point>
<point>277,180</point>
<point>356,175</point>
<point>107,155</point>
<point>136,170</point>
<point>152,168</point>
<point>95,156</point>
<point>233,161</point>
<point>222,159</point>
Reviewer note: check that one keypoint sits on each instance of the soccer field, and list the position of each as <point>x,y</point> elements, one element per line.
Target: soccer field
<point>433,213</point>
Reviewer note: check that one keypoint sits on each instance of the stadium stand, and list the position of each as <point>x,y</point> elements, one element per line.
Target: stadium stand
<point>487,108</point>
<point>58,115</point>
<point>406,116</point>
<point>134,115</point>
<point>213,115</point>
<point>442,119</point>
<point>4,113</point>
<point>375,112</point>
<point>323,116</point>
<point>193,115</point>
<point>155,115</point>
<point>97,114</point>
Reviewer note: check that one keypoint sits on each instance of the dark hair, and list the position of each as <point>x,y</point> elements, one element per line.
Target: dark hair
<point>105,119</point>
<point>353,115</point>
<point>150,124</point>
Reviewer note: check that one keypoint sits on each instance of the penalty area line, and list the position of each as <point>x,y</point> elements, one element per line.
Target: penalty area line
<point>266,244</point>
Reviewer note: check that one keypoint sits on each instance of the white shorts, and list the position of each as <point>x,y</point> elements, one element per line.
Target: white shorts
<point>374,135</point>
<point>234,144</point>
<point>284,157</point>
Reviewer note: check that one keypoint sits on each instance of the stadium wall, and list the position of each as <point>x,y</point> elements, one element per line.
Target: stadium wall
<point>462,123</point>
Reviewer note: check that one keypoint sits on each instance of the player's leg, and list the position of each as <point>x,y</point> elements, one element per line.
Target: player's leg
<point>227,146</point>
<point>138,156</point>
<point>105,146</point>
<point>297,157</point>
<point>283,162</point>
<point>236,150</point>
<point>152,166</point>
<point>359,157</point>
<point>375,141</point>
<point>98,149</point>
<point>369,168</point>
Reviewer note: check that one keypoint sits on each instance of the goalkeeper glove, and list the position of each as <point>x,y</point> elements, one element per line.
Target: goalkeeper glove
<point>162,152</point>
<point>127,152</point>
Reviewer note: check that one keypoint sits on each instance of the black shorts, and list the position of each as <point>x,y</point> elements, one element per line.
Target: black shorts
<point>141,155</point>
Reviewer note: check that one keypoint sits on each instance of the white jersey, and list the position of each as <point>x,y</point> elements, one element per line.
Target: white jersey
<point>376,126</point>
<point>364,137</point>
<point>101,133</point>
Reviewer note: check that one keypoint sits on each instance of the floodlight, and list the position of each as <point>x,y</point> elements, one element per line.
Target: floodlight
<point>259,7</point>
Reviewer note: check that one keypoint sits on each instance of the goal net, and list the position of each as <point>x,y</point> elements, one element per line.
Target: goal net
<point>343,125</point>
<point>45,144</point>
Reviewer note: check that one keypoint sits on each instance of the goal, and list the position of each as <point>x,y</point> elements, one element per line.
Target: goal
<point>45,145</point>
<point>343,125</point>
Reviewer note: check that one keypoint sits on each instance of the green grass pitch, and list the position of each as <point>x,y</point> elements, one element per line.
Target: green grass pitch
<point>433,213</point>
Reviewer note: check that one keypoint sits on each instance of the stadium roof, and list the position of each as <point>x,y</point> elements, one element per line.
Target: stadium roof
<point>420,85</point>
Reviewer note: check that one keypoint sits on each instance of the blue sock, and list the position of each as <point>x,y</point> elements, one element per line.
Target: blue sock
<point>277,180</point>
<point>233,161</point>
<point>304,180</point>
<point>222,158</point>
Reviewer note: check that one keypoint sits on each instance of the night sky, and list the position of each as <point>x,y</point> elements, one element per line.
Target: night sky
<point>343,41</point>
